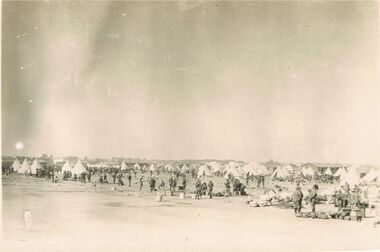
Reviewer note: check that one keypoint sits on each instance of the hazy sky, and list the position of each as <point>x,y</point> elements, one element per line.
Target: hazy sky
<point>293,81</point>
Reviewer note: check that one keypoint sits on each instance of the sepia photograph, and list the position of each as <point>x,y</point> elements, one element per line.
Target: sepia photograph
<point>190,126</point>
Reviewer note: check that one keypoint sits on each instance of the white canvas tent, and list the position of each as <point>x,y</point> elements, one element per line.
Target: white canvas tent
<point>185,167</point>
<point>16,165</point>
<point>78,168</point>
<point>280,172</point>
<point>261,170</point>
<point>36,165</point>
<point>341,171</point>
<point>255,169</point>
<point>66,167</point>
<point>233,169</point>
<point>152,168</point>
<point>249,168</point>
<point>25,167</point>
<point>352,177</point>
<point>169,168</point>
<point>137,166</point>
<point>328,171</point>
<point>308,171</point>
<point>372,175</point>
<point>232,164</point>
<point>203,171</point>
<point>214,166</point>
<point>288,168</point>
<point>123,166</point>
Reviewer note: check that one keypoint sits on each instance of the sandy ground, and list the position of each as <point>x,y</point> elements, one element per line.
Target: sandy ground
<point>72,216</point>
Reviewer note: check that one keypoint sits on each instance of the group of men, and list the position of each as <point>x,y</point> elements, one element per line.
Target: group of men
<point>203,188</point>
<point>237,187</point>
<point>344,196</point>
<point>298,196</point>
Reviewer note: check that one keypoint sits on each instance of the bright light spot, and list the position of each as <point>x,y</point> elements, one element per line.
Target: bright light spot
<point>30,101</point>
<point>22,68</point>
<point>35,27</point>
<point>19,146</point>
<point>124,14</point>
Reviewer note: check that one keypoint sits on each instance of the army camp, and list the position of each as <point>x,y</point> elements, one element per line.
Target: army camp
<point>48,197</point>
<point>190,126</point>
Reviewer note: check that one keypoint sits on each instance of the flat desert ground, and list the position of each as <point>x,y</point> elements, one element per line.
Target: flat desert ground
<point>74,216</point>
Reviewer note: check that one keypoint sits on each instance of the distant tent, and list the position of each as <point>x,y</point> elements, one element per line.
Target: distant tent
<point>364,169</point>
<point>25,167</point>
<point>185,167</point>
<point>172,167</point>
<point>341,171</point>
<point>328,171</point>
<point>249,168</point>
<point>152,168</point>
<point>214,166</point>
<point>176,167</point>
<point>66,167</point>
<point>16,165</point>
<point>288,168</point>
<point>233,164</point>
<point>233,169</point>
<point>261,170</point>
<point>308,171</point>
<point>169,168</point>
<point>255,169</point>
<point>280,172</point>
<point>36,165</point>
<point>78,168</point>
<point>137,166</point>
<point>123,166</point>
<point>204,171</point>
<point>352,177</point>
<point>372,175</point>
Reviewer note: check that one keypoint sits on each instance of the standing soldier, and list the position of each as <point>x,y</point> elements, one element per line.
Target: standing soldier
<point>174,184</point>
<point>114,177</point>
<point>170,183</point>
<point>120,181</point>
<point>227,187</point>
<point>141,182</point>
<point>152,184</point>
<point>313,197</point>
<point>262,178</point>
<point>297,200</point>
<point>210,188</point>
<point>184,183</point>
<point>258,178</point>
<point>162,186</point>
<point>198,187</point>
<point>129,179</point>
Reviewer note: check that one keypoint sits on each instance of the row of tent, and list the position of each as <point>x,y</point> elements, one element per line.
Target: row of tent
<point>26,167</point>
<point>356,174</point>
<point>353,176</point>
